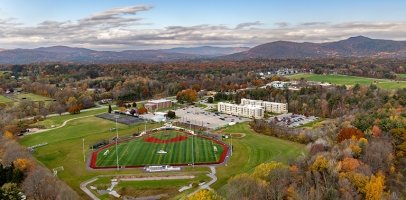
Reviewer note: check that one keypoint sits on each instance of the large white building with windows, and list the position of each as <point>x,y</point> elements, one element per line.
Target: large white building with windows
<point>268,106</point>
<point>251,111</point>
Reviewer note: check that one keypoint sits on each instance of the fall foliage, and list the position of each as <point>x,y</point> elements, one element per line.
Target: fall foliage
<point>348,133</point>
<point>188,96</point>
<point>205,195</point>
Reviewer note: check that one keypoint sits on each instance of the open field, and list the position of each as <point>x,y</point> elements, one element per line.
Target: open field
<point>180,148</point>
<point>351,80</point>
<point>401,75</point>
<point>4,99</point>
<point>18,97</point>
<point>30,97</point>
<point>252,150</point>
<point>57,121</point>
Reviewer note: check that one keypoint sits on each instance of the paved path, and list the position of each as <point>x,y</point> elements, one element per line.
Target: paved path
<point>83,187</point>
<point>213,177</point>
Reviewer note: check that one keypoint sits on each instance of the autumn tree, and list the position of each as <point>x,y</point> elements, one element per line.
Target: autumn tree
<point>264,170</point>
<point>244,186</point>
<point>142,110</point>
<point>374,188</point>
<point>350,164</point>
<point>348,133</point>
<point>188,95</point>
<point>75,109</point>
<point>205,195</point>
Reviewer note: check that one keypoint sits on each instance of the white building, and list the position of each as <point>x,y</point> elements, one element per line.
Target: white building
<point>268,106</point>
<point>253,111</point>
<point>279,84</point>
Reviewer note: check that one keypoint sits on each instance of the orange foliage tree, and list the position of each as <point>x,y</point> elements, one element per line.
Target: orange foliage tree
<point>350,164</point>
<point>142,110</point>
<point>348,133</point>
<point>74,109</point>
<point>188,95</point>
<point>23,164</point>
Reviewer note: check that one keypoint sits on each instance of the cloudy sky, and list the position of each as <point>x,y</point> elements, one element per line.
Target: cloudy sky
<point>134,24</point>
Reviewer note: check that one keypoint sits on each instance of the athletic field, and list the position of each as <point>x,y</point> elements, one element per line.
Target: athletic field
<point>168,147</point>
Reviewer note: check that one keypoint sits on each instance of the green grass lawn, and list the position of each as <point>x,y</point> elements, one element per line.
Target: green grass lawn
<point>4,99</point>
<point>141,152</point>
<point>31,97</point>
<point>252,150</point>
<point>401,75</point>
<point>351,80</point>
<point>57,121</point>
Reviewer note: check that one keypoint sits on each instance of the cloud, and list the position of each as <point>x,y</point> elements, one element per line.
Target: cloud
<point>248,25</point>
<point>281,24</point>
<point>119,29</point>
<point>313,24</point>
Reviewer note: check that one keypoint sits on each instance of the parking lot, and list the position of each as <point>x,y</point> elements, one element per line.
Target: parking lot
<point>293,120</point>
<point>200,117</point>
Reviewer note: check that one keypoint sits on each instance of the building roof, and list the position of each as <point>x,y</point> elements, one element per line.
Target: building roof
<point>159,101</point>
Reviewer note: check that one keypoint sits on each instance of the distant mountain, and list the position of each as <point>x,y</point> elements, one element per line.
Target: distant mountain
<point>352,47</point>
<point>359,46</point>
<point>207,50</point>
<point>82,55</point>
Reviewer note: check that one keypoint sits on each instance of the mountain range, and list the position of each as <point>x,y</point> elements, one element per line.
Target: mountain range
<point>359,46</point>
<point>352,47</point>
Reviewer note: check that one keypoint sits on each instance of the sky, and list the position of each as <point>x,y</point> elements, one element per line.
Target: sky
<point>154,24</point>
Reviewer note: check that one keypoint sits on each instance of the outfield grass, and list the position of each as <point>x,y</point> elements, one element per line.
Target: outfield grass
<point>252,150</point>
<point>351,80</point>
<point>139,152</point>
<point>4,99</point>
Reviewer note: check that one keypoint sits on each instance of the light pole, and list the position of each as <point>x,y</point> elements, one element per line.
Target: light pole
<point>83,147</point>
<point>193,151</point>
<point>231,137</point>
<point>117,116</point>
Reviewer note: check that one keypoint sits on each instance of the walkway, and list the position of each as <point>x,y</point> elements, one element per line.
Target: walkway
<point>213,177</point>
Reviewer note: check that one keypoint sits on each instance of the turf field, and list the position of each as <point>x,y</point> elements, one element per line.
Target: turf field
<point>181,148</point>
<point>351,80</point>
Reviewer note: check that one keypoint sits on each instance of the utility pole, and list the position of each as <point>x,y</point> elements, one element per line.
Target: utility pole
<point>117,141</point>
<point>83,147</point>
